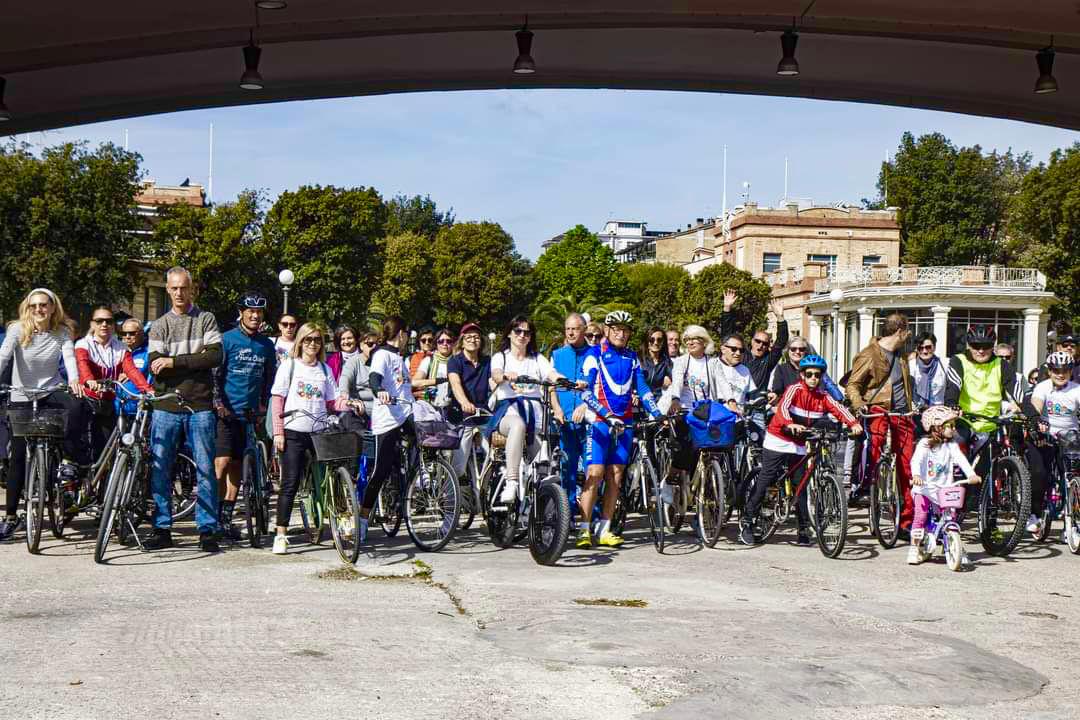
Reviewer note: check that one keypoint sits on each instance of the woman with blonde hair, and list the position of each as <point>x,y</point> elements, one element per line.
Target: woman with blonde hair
<point>695,375</point>
<point>303,382</point>
<point>34,346</point>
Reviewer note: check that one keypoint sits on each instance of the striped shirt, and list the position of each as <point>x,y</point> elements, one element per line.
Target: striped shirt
<point>38,364</point>
<point>193,341</point>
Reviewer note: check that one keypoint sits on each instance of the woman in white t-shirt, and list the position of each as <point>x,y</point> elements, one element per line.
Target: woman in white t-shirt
<point>518,412</point>
<point>303,382</point>
<point>388,378</point>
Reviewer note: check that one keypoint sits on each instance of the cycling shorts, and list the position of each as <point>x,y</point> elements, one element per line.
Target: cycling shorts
<point>600,449</point>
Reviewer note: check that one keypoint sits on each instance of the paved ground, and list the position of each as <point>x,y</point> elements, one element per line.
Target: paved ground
<point>769,632</point>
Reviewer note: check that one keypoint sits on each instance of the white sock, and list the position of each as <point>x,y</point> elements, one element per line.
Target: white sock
<point>605,525</point>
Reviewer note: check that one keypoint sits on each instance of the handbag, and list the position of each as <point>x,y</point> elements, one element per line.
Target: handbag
<point>712,425</point>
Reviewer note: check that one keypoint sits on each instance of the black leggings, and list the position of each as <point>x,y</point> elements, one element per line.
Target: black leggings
<point>386,458</point>
<point>75,447</point>
<point>292,469</point>
<point>773,466</point>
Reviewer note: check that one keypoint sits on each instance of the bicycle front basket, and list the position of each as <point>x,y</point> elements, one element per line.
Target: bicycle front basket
<point>47,422</point>
<point>438,434</point>
<point>336,445</point>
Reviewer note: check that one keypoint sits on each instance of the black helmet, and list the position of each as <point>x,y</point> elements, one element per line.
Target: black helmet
<point>251,300</point>
<point>981,335</point>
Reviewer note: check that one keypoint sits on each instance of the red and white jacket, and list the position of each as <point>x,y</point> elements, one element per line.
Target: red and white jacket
<point>106,362</point>
<point>801,405</point>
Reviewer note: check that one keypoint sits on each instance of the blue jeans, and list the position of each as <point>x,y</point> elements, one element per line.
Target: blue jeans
<point>572,443</point>
<point>200,429</point>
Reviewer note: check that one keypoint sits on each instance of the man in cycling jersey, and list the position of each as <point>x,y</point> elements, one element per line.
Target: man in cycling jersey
<point>880,382</point>
<point>612,374</point>
<point>241,384</point>
<point>800,405</point>
<point>567,407</point>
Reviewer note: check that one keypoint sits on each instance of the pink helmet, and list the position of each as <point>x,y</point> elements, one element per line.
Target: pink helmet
<point>936,415</point>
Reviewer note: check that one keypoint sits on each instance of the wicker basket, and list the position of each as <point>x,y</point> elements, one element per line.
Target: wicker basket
<point>498,440</point>
<point>47,422</point>
<point>336,445</point>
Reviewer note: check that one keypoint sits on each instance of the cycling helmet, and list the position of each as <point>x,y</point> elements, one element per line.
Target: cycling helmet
<point>618,317</point>
<point>937,415</point>
<point>813,361</point>
<point>1060,360</point>
<point>251,300</point>
<point>981,335</point>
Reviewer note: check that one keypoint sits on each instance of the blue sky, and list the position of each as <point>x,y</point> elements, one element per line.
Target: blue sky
<point>540,161</point>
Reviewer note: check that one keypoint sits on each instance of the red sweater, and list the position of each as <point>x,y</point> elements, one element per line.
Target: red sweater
<point>91,367</point>
<point>801,405</point>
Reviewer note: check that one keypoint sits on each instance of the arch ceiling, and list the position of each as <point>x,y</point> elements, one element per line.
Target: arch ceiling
<point>67,63</point>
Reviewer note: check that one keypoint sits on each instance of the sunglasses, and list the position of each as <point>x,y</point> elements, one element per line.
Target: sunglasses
<point>982,348</point>
<point>1006,358</point>
<point>129,333</point>
<point>102,320</point>
<point>521,332</point>
<point>313,340</point>
<point>43,305</point>
<point>759,342</point>
<point>734,349</point>
<point>656,340</point>
<point>927,348</point>
<point>445,341</point>
<point>811,373</point>
<point>253,303</point>
<point>593,336</point>
<point>800,350</point>
<point>287,324</point>
<point>426,340</point>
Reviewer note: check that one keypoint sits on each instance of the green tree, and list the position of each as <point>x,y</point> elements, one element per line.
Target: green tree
<point>702,299</point>
<point>953,201</point>
<point>642,276</point>
<point>417,215</point>
<point>67,222</point>
<point>1045,222</point>
<point>330,238</point>
<point>661,304</point>
<point>478,276</point>
<point>581,264</point>
<point>405,288</point>
<point>223,248</point>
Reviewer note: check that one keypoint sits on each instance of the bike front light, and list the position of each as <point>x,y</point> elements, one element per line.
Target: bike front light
<point>128,439</point>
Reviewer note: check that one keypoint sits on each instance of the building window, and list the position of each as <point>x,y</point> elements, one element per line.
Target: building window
<point>629,226</point>
<point>770,262</point>
<point>1007,324</point>
<point>920,320</point>
<point>830,260</point>
<point>868,260</point>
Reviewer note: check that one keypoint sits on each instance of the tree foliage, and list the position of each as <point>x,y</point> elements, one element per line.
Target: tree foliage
<point>702,300</point>
<point>1045,222</point>
<point>478,275</point>
<point>953,201</point>
<point>640,277</point>
<point>330,238</point>
<point>67,222</point>
<point>223,248</point>
<point>417,215</point>
<point>405,288</point>
<point>580,264</point>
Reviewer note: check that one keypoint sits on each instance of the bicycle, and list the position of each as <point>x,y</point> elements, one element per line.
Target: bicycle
<point>541,510</point>
<point>825,495</point>
<point>124,503</point>
<point>886,501</point>
<point>327,490</point>
<point>648,469</point>
<point>1007,492</point>
<point>943,525</point>
<point>43,430</point>
<point>254,481</point>
<point>473,501</point>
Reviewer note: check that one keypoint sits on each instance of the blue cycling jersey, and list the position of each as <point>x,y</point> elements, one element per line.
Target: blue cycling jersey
<point>612,374</point>
<point>248,364</point>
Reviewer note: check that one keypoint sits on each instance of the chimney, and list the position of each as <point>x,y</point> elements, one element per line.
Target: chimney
<point>700,221</point>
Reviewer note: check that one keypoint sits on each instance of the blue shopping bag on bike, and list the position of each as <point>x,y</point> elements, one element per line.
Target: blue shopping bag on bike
<point>711,424</point>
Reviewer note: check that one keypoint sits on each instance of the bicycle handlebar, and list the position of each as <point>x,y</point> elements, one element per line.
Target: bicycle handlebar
<point>561,383</point>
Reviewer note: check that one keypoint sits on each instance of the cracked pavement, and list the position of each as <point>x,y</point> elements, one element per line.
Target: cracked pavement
<point>768,632</point>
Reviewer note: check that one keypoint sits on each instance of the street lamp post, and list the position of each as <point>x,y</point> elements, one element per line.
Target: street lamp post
<point>491,343</point>
<point>836,295</point>
<point>286,278</point>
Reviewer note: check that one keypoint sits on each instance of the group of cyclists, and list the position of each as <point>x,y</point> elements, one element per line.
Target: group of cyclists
<point>933,422</point>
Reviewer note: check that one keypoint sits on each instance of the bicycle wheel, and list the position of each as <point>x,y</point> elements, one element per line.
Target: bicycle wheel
<point>710,502</point>
<point>502,524</point>
<point>109,506</point>
<point>468,503</point>
<point>654,505</point>
<point>431,504</point>
<point>59,507</point>
<point>185,487</point>
<point>622,504</point>
<point>389,505</point>
<point>885,503</point>
<point>254,504</point>
<point>1004,506</point>
<point>829,507</point>
<point>131,501</point>
<point>343,515</point>
<point>676,510</point>
<point>36,498</point>
<point>549,525</point>
<point>773,509</point>
<point>954,550</point>
<point>309,500</point>
<point>1072,515</point>
<point>1047,519</point>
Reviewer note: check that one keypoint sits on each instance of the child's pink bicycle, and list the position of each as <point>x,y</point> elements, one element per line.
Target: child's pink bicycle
<point>943,525</point>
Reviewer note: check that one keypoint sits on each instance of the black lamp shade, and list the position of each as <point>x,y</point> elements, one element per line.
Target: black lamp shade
<point>524,65</point>
<point>788,65</point>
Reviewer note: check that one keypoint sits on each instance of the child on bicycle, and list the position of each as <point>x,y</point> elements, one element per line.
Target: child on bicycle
<point>1055,402</point>
<point>932,463</point>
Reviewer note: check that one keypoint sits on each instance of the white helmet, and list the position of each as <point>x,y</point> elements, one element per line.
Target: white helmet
<point>618,317</point>
<point>936,415</point>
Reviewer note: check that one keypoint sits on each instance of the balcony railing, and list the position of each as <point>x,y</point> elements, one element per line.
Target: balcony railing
<point>946,276</point>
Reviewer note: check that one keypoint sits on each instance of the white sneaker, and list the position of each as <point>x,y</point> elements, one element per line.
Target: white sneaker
<point>281,545</point>
<point>509,492</point>
<point>668,495</point>
<point>915,555</point>
<point>1033,525</point>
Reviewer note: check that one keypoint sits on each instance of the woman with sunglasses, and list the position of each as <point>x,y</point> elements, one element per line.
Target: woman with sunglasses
<point>594,333</point>
<point>787,373</point>
<point>927,373</point>
<point>34,347</point>
<point>101,356</point>
<point>518,411</point>
<point>433,369</point>
<point>655,361</point>
<point>345,341</point>
<point>353,385</point>
<point>283,345</point>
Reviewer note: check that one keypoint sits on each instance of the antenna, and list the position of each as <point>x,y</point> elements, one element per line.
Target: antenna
<point>724,211</point>
<point>210,177</point>
<point>785,179</point>
<point>746,191</point>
